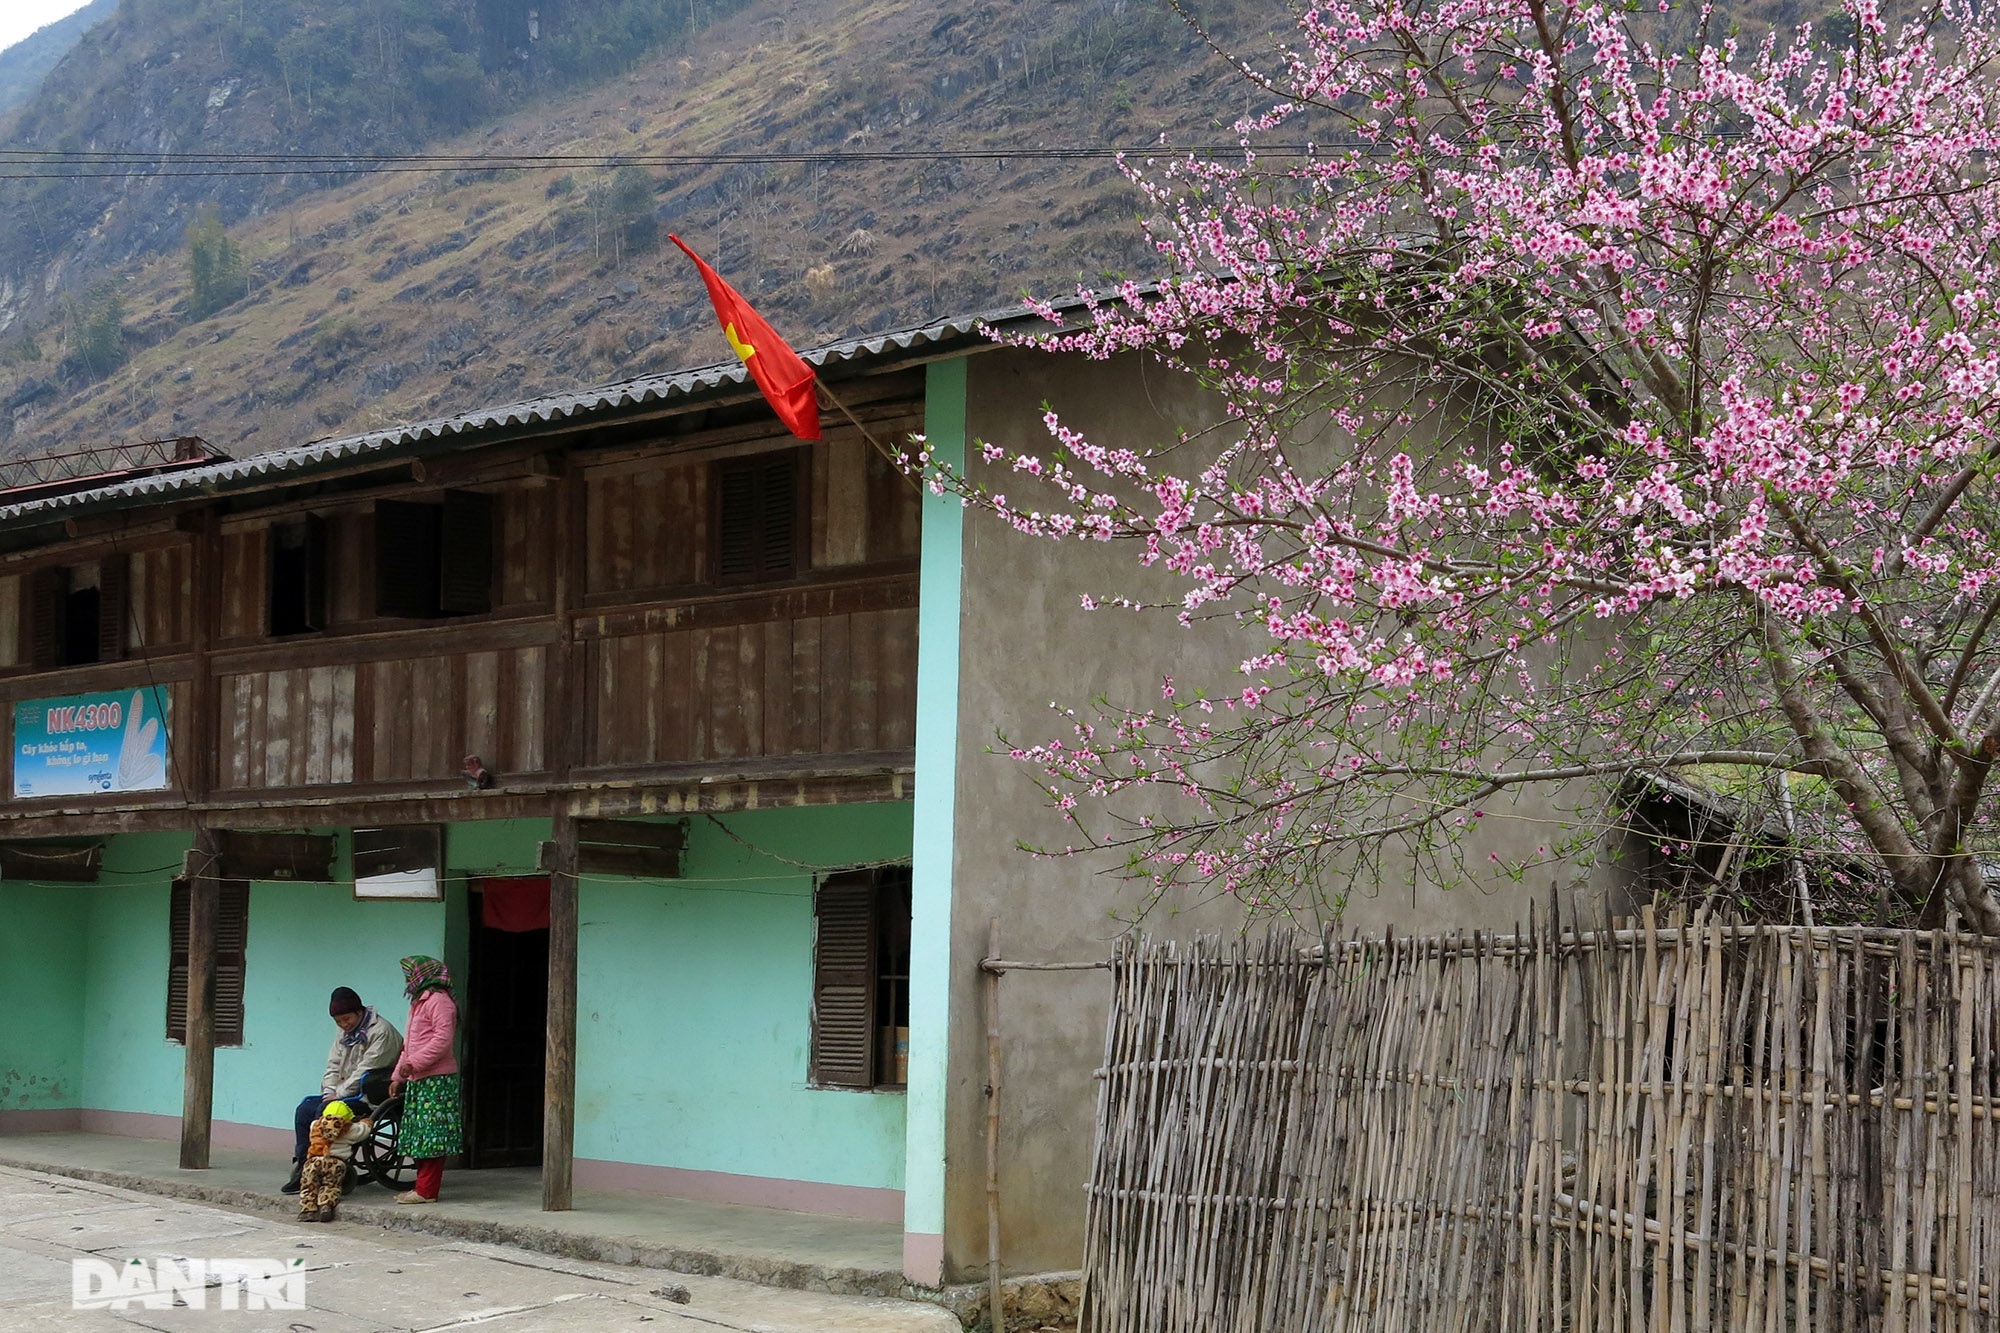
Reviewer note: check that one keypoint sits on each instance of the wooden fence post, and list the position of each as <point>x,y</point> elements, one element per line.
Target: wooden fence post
<point>997,1317</point>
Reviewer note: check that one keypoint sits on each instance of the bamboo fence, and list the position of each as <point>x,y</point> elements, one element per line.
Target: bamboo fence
<point>1653,1130</point>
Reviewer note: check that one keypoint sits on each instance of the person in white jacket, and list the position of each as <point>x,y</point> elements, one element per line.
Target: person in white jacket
<point>357,1065</point>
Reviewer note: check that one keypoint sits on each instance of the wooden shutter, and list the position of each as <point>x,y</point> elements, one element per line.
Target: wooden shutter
<point>114,602</point>
<point>736,521</point>
<point>777,515</point>
<point>48,603</point>
<point>757,517</point>
<point>232,938</point>
<point>406,559</point>
<point>843,1018</point>
<point>465,556</point>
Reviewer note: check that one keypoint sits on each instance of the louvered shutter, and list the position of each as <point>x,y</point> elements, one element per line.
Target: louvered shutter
<point>232,941</point>
<point>232,937</point>
<point>114,602</point>
<point>736,522</point>
<point>48,600</point>
<point>777,517</point>
<point>177,963</point>
<point>465,557</point>
<point>843,1028</point>
<point>757,517</point>
<point>406,559</point>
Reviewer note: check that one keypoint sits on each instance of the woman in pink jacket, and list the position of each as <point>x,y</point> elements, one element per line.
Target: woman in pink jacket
<point>427,1076</point>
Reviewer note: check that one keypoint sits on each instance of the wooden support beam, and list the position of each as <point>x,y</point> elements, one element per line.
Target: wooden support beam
<point>565,740</point>
<point>198,746</point>
<point>198,1069</point>
<point>559,1083</point>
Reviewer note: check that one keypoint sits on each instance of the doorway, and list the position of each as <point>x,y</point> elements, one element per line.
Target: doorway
<point>506,1018</point>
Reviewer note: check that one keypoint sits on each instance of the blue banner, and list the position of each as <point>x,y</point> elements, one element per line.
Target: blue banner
<point>89,744</point>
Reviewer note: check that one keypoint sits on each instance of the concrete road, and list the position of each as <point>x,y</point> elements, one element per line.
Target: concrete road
<point>360,1279</point>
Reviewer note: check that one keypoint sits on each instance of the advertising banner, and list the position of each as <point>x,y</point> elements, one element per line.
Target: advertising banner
<point>89,744</point>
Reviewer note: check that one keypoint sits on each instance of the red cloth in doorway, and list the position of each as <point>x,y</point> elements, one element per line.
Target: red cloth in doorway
<point>514,904</point>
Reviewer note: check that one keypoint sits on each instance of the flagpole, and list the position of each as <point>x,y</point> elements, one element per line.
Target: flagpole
<point>866,434</point>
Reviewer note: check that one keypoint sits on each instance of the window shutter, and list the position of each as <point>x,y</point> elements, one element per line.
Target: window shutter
<point>114,601</point>
<point>232,939</point>
<point>757,517</point>
<point>177,963</point>
<point>736,522</point>
<point>778,515</point>
<point>232,936</point>
<point>465,571</point>
<point>48,600</point>
<point>406,559</point>
<point>843,1028</point>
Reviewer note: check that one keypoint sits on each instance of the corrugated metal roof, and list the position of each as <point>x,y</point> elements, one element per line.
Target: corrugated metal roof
<point>397,441</point>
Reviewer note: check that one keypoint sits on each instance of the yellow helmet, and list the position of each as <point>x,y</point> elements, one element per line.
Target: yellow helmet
<point>339,1111</point>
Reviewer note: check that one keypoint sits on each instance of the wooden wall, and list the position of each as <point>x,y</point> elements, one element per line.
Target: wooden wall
<point>647,518</point>
<point>812,685</point>
<point>671,671</point>
<point>524,555</point>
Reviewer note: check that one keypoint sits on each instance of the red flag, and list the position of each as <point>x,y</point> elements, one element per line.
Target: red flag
<point>787,381</point>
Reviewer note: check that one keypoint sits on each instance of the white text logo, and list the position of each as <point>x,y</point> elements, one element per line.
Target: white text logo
<point>239,1284</point>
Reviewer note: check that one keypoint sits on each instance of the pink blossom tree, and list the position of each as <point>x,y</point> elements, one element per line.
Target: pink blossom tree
<point>1595,403</point>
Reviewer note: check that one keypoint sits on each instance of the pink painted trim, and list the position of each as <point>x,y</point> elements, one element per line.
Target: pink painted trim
<point>923,1258</point>
<point>248,1138</point>
<point>132,1124</point>
<point>800,1196</point>
<point>221,1133</point>
<point>41,1122</point>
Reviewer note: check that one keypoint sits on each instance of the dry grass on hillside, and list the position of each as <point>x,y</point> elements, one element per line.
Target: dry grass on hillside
<point>402,297</point>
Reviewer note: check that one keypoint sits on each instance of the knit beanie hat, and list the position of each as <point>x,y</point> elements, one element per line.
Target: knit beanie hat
<point>344,1001</point>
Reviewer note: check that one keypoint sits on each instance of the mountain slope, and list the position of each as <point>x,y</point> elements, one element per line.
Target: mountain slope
<point>396,296</point>
<point>24,64</point>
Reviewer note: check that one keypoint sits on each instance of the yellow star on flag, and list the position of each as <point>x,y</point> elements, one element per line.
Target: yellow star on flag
<point>742,349</point>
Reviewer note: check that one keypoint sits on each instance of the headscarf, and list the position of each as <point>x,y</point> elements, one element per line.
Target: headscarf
<point>421,972</point>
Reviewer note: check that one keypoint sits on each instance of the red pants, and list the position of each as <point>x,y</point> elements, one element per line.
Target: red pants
<point>430,1175</point>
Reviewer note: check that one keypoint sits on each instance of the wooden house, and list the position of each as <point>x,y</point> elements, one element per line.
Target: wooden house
<point>670,734</point>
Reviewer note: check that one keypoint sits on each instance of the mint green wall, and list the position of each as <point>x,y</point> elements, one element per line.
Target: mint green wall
<point>939,598</point>
<point>694,995</point>
<point>304,940</point>
<point>128,1063</point>
<point>694,1007</point>
<point>41,976</point>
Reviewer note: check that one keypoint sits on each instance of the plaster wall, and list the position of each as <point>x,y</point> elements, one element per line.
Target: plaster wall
<point>1024,642</point>
<point>41,969</point>
<point>303,940</point>
<point>694,1010</point>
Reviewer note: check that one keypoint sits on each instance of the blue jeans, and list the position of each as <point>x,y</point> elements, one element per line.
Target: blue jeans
<point>374,1088</point>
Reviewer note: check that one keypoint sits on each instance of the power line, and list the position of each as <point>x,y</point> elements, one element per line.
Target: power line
<point>112,164</point>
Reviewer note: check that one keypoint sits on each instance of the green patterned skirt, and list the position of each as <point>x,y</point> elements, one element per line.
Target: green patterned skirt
<point>430,1125</point>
